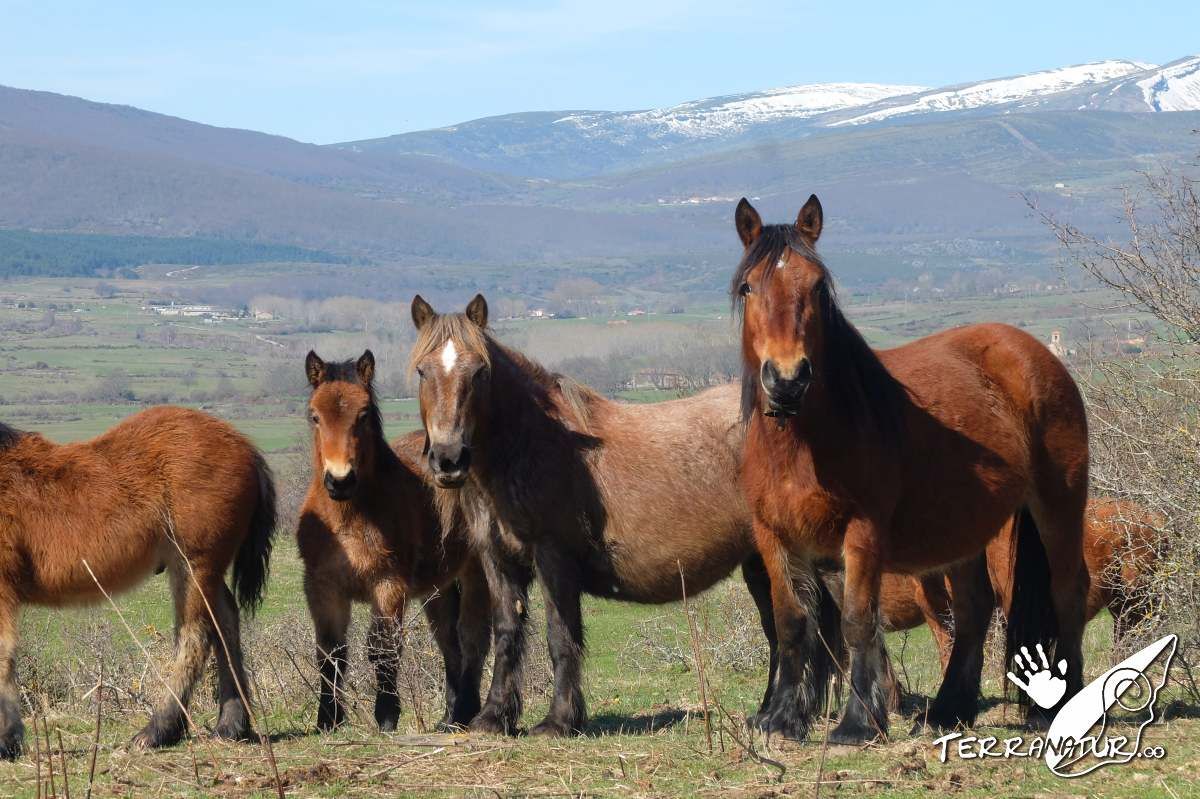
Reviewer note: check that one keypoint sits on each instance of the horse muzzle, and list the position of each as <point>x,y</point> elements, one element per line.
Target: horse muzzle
<point>449,464</point>
<point>785,393</point>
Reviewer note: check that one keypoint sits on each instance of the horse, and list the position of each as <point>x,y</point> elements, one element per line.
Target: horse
<point>368,532</point>
<point>1118,549</point>
<point>629,502</point>
<point>168,488</point>
<point>907,460</point>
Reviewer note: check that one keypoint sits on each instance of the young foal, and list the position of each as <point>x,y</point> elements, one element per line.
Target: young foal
<point>621,501</point>
<point>906,460</point>
<point>368,532</point>
<point>167,486</point>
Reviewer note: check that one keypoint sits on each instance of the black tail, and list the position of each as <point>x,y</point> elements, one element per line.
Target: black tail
<point>253,561</point>
<point>1031,617</point>
<point>827,646</point>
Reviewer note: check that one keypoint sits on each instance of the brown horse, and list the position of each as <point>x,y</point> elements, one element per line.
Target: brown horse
<point>618,500</point>
<point>907,460</point>
<point>166,487</point>
<point>1118,549</point>
<point>368,531</point>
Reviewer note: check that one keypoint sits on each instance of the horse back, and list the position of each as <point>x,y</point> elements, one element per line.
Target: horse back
<point>668,478</point>
<point>164,478</point>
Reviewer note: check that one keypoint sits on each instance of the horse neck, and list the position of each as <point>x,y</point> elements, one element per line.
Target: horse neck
<point>525,409</point>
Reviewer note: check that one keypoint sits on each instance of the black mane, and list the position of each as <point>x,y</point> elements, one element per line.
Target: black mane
<point>858,382</point>
<point>9,436</point>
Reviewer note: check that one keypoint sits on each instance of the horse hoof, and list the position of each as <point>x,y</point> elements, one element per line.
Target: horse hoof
<point>387,725</point>
<point>156,736</point>
<point>1038,719</point>
<point>790,726</point>
<point>552,728</point>
<point>491,722</point>
<point>329,723</point>
<point>10,748</point>
<point>852,735</point>
<point>234,732</point>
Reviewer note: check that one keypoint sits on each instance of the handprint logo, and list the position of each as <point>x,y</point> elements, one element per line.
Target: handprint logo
<point>1041,684</point>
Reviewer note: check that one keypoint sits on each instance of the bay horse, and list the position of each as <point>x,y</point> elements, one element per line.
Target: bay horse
<point>169,488</point>
<point>907,460</point>
<point>629,502</point>
<point>1119,543</point>
<point>368,532</point>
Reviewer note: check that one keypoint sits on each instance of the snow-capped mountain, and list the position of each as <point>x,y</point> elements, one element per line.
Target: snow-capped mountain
<point>1022,90</point>
<point>733,114</point>
<point>572,144</point>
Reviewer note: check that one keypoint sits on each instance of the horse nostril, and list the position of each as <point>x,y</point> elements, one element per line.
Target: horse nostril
<point>338,485</point>
<point>769,375</point>
<point>804,370</point>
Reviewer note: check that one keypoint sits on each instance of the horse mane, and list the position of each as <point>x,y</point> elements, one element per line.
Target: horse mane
<point>860,385</point>
<point>9,436</point>
<point>575,397</point>
<point>456,327</point>
<point>347,372</point>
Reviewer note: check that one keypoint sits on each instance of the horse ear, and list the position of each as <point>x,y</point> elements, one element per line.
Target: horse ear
<point>811,219</point>
<point>365,366</point>
<point>422,312</point>
<point>477,310</point>
<point>314,367</point>
<point>748,222</point>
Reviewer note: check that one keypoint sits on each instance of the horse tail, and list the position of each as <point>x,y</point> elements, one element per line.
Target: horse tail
<point>253,561</point>
<point>1031,616</point>
<point>826,645</point>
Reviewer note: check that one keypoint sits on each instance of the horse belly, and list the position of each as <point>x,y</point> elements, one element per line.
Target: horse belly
<point>76,574</point>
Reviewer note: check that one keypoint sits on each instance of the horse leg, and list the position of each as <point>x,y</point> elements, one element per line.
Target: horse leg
<point>233,721</point>
<point>1060,527</point>
<point>474,625</point>
<point>194,633</point>
<point>865,715</point>
<point>443,610</point>
<point>754,572</point>
<point>802,671</point>
<point>12,733</point>
<point>384,644</point>
<point>559,575</point>
<point>934,601</point>
<point>329,608</point>
<point>508,578</point>
<point>972,601</point>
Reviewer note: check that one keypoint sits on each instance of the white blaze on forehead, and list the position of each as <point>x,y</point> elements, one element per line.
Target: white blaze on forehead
<point>337,470</point>
<point>782,262</point>
<point>449,355</point>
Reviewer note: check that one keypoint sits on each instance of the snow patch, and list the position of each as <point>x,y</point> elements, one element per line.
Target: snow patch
<point>1173,88</point>
<point>1020,89</point>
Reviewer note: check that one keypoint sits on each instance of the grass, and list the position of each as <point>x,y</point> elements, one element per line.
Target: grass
<point>646,736</point>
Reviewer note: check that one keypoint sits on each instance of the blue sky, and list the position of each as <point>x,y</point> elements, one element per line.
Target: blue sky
<point>357,69</point>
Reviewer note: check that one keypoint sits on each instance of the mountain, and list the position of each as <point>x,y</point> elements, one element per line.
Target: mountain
<point>565,145</point>
<point>910,177</point>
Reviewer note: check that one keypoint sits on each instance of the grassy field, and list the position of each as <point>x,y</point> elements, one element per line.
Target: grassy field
<point>648,735</point>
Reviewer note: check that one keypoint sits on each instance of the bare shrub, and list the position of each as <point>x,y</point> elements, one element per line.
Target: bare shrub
<point>1144,402</point>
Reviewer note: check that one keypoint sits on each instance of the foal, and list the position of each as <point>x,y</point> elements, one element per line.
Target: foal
<point>167,486</point>
<point>618,500</point>
<point>368,532</point>
<point>907,460</point>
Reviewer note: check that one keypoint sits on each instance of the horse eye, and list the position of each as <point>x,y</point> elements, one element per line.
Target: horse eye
<point>313,418</point>
<point>420,373</point>
<point>744,289</point>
